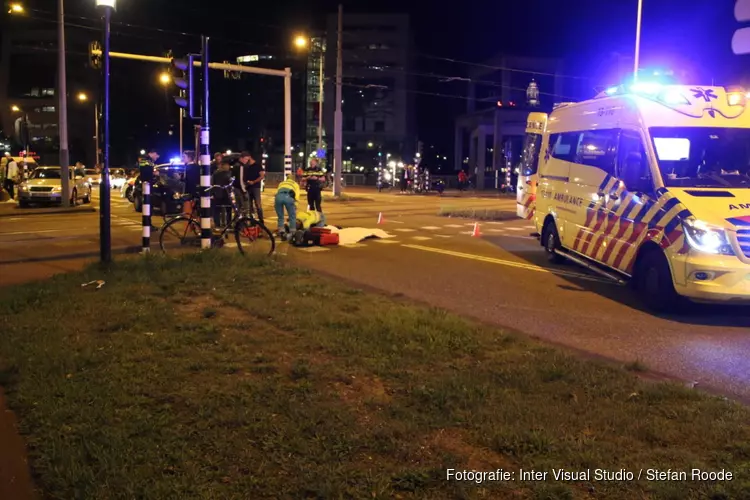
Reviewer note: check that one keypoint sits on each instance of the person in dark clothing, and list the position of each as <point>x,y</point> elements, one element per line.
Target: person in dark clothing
<point>218,157</point>
<point>239,172</point>
<point>314,178</point>
<point>254,174</point>
<point>221,204</point>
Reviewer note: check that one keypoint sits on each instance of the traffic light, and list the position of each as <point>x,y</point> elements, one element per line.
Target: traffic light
<point>95,55</point>
<point>186,85</point>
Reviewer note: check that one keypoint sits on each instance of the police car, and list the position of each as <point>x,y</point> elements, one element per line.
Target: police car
<point>650,184</point>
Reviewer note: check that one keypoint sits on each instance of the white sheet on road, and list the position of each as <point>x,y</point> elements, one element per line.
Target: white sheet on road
<point>352,235</point>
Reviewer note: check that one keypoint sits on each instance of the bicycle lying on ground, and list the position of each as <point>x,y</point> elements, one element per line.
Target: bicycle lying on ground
<point>184,231</point>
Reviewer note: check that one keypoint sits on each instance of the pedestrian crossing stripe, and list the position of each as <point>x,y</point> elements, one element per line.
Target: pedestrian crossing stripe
<point>421,238</point>
<point>353,245</point>
<point>313,249</point>
<point>430,228</point>
<point>385,242</point>
<point>443,235</point>
<point>454,225</point>
<point>495,230</point>
<point>516,228</point>
<point>405,230</point>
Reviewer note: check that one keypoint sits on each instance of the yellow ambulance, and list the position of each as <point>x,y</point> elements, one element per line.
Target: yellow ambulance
<point>650,184</point>
<point>527,174</point>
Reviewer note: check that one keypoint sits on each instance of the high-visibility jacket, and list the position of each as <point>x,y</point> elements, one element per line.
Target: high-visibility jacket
<point>290,186</point>
<point>310,218</point>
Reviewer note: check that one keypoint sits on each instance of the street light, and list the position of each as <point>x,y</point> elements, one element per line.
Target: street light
<point>229,151</point>
<point>143,152</point>
<point>83,97</point>
<point>637,41</point>
<point>15,108</point>
<point>165,78</point>
<point>16,8</point>
<point>300,41</point>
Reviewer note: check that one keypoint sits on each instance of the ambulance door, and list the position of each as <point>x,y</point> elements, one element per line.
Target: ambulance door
<point>592,192</point>
<point>637,189</point>
<point>527,176</point>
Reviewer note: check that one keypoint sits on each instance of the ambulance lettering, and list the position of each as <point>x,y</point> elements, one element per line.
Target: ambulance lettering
<point>740,206</point>
<point>568,200</point>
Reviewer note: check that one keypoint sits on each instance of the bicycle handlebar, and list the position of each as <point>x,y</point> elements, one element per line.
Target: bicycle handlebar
<point>228,186</point>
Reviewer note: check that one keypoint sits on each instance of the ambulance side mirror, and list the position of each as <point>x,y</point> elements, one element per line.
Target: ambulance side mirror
<point>639,185</point>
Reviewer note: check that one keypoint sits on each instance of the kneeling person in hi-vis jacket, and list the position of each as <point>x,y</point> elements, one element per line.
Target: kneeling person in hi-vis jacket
<point>287,196</point>
<point>306,221</point>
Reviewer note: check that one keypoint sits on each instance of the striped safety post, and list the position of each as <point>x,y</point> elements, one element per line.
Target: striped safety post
<point>287,166</point>
<point>205,193</point>
<point>146,214</point>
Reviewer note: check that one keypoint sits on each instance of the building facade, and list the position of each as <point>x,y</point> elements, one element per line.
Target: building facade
<point>378,107</point>
<point>29,99</point>
<point>489,137</point>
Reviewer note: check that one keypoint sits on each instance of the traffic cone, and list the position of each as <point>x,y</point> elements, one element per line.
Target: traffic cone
<point>476,233</point>
<point>381,219</point>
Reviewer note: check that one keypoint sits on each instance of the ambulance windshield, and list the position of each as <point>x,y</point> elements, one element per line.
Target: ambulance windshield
<point>703,157</point>
<point>530,156</point>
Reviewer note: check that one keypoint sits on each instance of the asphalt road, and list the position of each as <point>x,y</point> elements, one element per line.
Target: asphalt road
<point>501,277</point>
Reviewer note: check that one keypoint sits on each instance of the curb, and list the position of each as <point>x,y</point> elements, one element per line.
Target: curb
<point>17,212</point>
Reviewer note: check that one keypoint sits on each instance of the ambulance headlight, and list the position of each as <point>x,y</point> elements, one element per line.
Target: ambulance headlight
<point>705,238</point>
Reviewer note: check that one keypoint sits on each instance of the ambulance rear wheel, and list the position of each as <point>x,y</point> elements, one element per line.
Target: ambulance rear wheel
<point>654,283</point>
<point>552,243</point>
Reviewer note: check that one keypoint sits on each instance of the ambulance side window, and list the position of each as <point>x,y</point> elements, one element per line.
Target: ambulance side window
<point>632,163</point>
<point>598,148</point>
<point>563,146</point>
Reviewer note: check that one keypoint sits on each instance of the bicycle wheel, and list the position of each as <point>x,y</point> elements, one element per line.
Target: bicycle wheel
<point>181,232</point>
<point>253,237</point>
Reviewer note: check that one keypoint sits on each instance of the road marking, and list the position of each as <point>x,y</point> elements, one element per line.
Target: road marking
<point>443,235</point>
<point>497,223</point>
<point>385,242</point>
<point>353,245</point>
<point>529,227</point>
<point>430,228</point>
<point>494,230</point>
<point>18,233</point>
<point>516,228</point>
<point>405,230</point>
<point>509,263</point>
<point>453,225</point>
<point>313,249</point>
<point>421,238</point>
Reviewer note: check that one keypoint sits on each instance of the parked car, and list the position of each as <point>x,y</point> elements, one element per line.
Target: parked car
<point>93,177</point>
<point>45,187</point>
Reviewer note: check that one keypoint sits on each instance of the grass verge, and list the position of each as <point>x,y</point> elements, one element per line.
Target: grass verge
<point>214,376</point>
<point>484,214</point>
<point>345,197</point>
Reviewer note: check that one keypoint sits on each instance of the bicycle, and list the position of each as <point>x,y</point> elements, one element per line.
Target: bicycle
<point>248,231</point>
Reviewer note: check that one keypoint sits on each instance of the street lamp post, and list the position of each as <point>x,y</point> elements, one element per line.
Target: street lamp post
<point>105,236</point>
<point>637,41</point>
<point>63,105</point>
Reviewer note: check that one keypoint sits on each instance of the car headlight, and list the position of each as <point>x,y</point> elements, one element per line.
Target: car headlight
<point>56,189</point>
<point>24,187</point>
<point>706,238</point>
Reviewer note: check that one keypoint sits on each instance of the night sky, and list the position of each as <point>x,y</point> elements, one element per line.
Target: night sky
<point>584,32</point>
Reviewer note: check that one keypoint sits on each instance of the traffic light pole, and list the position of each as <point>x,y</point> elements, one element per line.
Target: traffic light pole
<point>105,234</point>
<point>205,155</point>
<point>286,73</point>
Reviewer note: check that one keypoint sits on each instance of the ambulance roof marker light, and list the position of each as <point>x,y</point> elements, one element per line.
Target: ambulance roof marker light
<point>612,90</point>
<point>737,98</point>
<point>649,88</point>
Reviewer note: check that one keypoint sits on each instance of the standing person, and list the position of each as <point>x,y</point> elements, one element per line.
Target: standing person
<point>11,176</point>
<point>462,179</point>
<point>239,172</point>
<point>254,175</point>
<point>221,203</point>
<point>218,157</point>
<point>314,177</point>
<point>287,196</point>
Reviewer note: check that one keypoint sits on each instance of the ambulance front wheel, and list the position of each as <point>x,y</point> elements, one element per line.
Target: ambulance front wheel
<point>654,282</point>
<point>551,242</point>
